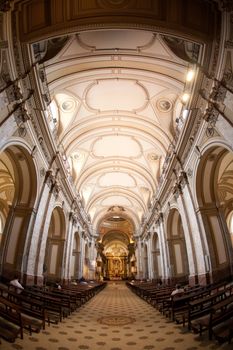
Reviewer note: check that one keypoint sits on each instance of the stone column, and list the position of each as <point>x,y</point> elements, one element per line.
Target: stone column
<point>150,258</point>
<point>68,249</point>
<point>219,249</point>
<point>39,239</point>
<point>163,247</point>
<point>92,258</point>
<point>194,240</point>
<point>82,255</point>
<point>138,253</point>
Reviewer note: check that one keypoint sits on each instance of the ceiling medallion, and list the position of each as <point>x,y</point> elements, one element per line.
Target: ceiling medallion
<point>68,105</point>
<point>153,156</point>
<point>164,105</point>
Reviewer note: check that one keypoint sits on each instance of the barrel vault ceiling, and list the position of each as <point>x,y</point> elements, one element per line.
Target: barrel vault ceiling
<point>115,99</point>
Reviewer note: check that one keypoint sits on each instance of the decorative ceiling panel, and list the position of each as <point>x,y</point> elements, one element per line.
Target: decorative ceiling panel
<point>118,96</point>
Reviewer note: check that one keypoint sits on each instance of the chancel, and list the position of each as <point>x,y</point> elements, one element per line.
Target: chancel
<point>116,174</point>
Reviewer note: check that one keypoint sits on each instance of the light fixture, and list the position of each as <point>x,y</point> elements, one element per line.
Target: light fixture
<point>185,113</point>
<point>185,97</point>
<point>190,75</point>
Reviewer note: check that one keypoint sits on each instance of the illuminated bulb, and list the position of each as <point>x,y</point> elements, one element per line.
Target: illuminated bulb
<point>185,97</point>
<point>190,75</point>
<point>185,113</point>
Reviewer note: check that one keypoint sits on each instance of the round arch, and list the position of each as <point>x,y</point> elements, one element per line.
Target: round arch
<point>109,215</point>
<point>214,196</point>
<point>55,245</point>
<point>76,256</point>
<point>18,190</point>
<point>156,257</point>
<point>179,268</point>
<point>145,262</point>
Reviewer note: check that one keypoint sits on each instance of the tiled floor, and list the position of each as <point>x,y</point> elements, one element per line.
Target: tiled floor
<point>115,319</point>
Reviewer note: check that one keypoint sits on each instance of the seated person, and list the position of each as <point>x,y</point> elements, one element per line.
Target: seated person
<point>82,280</point>
<point>160,283</point>
<point>15,283</point>
<point>178,291</point>
<point>57,285</point>
<point>74,283</point>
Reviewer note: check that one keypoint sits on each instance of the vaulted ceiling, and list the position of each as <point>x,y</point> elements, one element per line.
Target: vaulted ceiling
<point>116,97</point>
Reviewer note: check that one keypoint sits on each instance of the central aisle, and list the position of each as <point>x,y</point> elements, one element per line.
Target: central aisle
<point>132,324</point>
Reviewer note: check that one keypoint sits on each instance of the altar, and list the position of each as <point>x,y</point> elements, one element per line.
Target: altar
<point>116,267</point>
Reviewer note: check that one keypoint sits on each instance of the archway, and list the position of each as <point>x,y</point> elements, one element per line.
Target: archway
<point>215,200</point>
<point>156,259</point>
<point>86,264</point>
<point>18,188</point>
<point>55,245</point>
<point>116,245</point>
<point>179,269</point>
<point>116,254</point>
<point>145,262</point>
<point>75,260</point>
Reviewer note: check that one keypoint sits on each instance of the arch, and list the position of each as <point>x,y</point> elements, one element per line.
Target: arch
<point>128,215</point>
<point>144,15</point>
<point>76,255</point>
<point>116,243</point>
<point>55,245</point>
<point>17,164</point>
<point>156,258</point>
<point>86,264</point>
<point>179,269</point>
<point>57,224</point>
<point>119,213</point>
<point>214,195</point>
<point>18,192</point>
<point>115,252</point>
<point>145,262</point>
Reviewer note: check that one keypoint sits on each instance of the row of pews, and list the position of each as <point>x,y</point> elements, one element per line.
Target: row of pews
<point>202,308</point>
<point>35,307</point>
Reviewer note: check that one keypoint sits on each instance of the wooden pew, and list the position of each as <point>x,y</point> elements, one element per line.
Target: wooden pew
<point>220,312</point>
<point>11,324</point>
<point>29,321</point>
<point>224,331</point>
<point>31,307</point>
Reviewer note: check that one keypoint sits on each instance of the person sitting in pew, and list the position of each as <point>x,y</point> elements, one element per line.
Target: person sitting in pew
<point>15,283</point>
<point>74,283</point>
<point>58,285</point>
<point>160,283</point>
<point>82,280</point>
<point>178,291</point>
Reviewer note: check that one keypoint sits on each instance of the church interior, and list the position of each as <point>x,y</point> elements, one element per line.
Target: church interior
<point>116,174</point>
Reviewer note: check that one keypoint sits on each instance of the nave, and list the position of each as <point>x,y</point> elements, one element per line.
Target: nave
<point>115,319</point>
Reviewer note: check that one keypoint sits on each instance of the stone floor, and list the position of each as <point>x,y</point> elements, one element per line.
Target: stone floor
<point>115,319</point>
